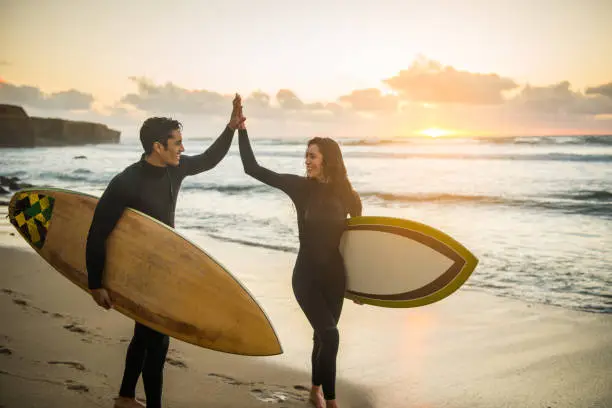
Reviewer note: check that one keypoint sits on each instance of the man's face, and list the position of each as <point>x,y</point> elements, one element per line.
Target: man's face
<point>171,155</point>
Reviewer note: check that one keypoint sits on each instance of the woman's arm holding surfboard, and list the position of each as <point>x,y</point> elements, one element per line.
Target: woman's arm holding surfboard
<point>355,211</point>
<point>356,207</point>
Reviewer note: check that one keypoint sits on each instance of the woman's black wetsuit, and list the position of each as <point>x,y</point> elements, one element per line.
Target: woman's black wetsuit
<point>319,280</point>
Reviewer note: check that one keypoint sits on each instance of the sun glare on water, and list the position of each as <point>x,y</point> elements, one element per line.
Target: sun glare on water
<point>435,132</point>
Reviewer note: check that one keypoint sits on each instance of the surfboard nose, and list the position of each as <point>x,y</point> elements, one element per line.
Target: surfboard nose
<point>252,335</point>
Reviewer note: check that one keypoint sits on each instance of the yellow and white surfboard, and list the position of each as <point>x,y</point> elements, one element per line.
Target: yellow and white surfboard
<point>392,262</point>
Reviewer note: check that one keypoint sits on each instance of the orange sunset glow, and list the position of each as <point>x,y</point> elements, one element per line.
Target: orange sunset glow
<point>436,132</point>
<point>316,69</point>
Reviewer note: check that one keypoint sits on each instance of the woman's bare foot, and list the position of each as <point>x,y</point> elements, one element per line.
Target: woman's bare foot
<point>331,404</point>
<point>316,396</point>
<point>124,402</point>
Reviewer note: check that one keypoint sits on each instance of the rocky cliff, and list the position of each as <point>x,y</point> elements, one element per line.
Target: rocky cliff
<point>17,129</point>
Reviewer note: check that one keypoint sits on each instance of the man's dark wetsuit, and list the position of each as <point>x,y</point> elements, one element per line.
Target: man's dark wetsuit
<point>152,190</point>
<point>319,279</point>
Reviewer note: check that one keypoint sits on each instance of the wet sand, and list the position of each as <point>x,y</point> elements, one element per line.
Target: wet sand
<point>59,349</point>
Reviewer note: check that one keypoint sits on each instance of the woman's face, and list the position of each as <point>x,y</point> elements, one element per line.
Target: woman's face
<point>314,162</point>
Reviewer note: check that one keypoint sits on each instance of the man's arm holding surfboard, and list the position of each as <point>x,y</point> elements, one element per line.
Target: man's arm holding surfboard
<point>110,207</point>
<point>191,165</point>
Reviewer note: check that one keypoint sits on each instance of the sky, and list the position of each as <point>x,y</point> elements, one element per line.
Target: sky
<point>381,69</point>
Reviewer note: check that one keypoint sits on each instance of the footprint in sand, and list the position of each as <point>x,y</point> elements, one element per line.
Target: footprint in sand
<point>21,302</point>
<point>87,336</point>
<point>267,396</point>
<point>75,386</point>
<point>6,351</point>
<point>276,396</point>
<point>72,364</point>
<point>266,393</point>
<point>176,362</point>
<point>69,384</point>
<point>228,380</point>
<point>19,299</point>
<point>75,328</point>
<point>78,329</point>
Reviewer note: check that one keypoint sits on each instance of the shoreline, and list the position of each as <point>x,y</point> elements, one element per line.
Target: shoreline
<point>472,349</point>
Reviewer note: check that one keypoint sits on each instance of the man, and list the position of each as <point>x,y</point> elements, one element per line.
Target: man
<point>151,186</point>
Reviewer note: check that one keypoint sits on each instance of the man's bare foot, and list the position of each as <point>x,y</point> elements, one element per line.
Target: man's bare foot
<point>316,396</point>
<point>331,404</point>
<point>124,402</point>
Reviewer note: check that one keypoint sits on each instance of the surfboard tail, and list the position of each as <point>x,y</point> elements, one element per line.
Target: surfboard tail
<point>30,212</point>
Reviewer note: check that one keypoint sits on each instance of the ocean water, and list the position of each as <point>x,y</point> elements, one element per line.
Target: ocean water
<point>537,212</point>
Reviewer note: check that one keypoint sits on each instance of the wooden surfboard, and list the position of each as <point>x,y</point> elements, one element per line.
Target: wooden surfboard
<point>392,262</point>
<point>153,274</point>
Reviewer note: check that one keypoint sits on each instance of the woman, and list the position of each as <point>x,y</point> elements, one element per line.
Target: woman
<point>322,199</point>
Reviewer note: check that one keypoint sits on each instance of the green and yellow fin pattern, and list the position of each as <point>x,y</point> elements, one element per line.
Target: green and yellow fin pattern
<point>31,215</point>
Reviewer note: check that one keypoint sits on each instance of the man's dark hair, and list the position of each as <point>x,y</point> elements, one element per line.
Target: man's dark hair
<point>157,130</point>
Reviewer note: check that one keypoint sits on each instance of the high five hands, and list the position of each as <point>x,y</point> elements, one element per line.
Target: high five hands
<point>243,123</point>
<point>237,119</point>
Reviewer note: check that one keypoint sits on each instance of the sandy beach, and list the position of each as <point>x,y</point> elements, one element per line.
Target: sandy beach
<point>467,130</point>
<point>59,349</point>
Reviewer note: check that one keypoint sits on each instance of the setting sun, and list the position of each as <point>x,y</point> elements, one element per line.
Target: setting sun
<point>435,132</point>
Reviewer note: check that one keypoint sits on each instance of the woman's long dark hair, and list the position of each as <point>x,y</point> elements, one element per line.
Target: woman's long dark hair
<point>334,171</point>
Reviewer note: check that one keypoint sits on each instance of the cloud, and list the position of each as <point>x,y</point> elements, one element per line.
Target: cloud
<point>4,63</point>
<point>370,99</point>
<point>289,100</point>
<point>258,99</point>
<point>430,82</point>
<point>545,99</point>
<point>258,105</point>
<point>597,105</point>
<point>34,97</point>
<point>561,99</point>
<point>427,94</point>
<point>335,108</point>
<point>605,90</point>
<point>69,100</point>
<point>287,106</point>
<point>172,99</point>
